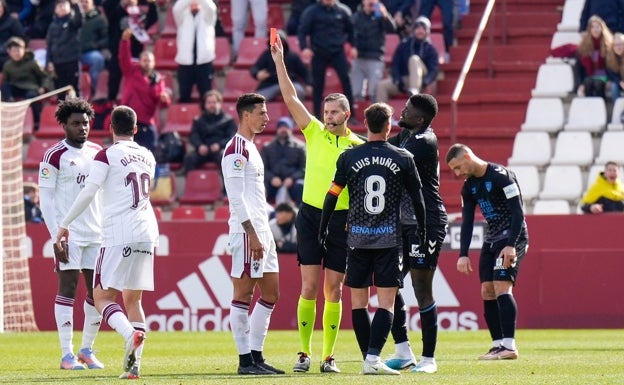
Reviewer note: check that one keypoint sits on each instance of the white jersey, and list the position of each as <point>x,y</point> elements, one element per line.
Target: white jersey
<point>65,168</point>
<point>123,172</point>
<point>243,174</point>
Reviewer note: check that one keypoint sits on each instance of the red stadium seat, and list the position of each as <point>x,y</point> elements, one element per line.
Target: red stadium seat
<point>48,126</point>
<point>170,29</point>
<point>293,45</point>
<point>437,39</point>
<point>165,50</point>
<point>180,117</point>
<point>249,51</point>
<point>225,15</point>
<point>158,213</point>
<point>202,187</point>
<point>223,53</point>
<point>36,150</point>
<point>30,176</point>
<point>222,213</point>
<point>188,213</point>
<point>237,82</point>
<point>392,41</point>
<point>35,44</point>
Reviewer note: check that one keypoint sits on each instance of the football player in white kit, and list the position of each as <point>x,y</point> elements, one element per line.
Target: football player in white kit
<point>126,261</point>
<point>62,174</point>
<point>254,258</point>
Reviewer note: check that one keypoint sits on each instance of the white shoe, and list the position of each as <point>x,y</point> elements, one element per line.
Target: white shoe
<point>378,368</point>
<point>428,366</point>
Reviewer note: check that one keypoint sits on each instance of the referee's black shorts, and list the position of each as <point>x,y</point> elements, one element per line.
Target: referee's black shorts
<point>309,252</point>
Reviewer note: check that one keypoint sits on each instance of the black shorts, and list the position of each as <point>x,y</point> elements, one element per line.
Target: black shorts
<point>379,267</point>
<point>419,258</point>
<point>309,252</point>
<point>488,269</point>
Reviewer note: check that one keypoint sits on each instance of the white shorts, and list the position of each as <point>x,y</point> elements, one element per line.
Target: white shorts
<point>241,256</point>
<point>128,266</point>
<point>82,255</point>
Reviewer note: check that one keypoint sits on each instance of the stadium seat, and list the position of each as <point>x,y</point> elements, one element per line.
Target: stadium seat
<point>611,148</point>
<point>158,213</point>
<point>180,117</point>
<point>437,39</point>
<point>188,213</point>
<point>222,213</point>
<point>332,82</point>
<point>48,126</point>
<point>170,28</point>
<point>163,191</point>
<point>85,85</point>
<point>293,45</point>
<point>35,44</point>
<point>450,191</point>
<point>544,114</point>
<point>551,207</point>
<point>531,148</point>
<point>202,187</point>
<point>249,51</point>
<point>587,114</point>
<point>571,15</point>
<point>237,82</point>
<point>573,148</point>
<point>594,170</point>
<point>392,41</point>
<point>223,53</point>
<point>36,150</point>
<point>553,80</point>
<point>566,39</point>
<point>30,176</point>
<point>164,53</point>
<point>616,123</point>
<point>528,180</point>
<point>562,182</point>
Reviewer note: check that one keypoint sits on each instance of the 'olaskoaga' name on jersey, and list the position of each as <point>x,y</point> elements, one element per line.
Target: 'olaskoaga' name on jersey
<point>129,158</point>
<point>376,160</point>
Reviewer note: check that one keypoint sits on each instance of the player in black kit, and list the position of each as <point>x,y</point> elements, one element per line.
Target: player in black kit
<point>421,261</point>
<point>495,190</point>
<point>376,173</point>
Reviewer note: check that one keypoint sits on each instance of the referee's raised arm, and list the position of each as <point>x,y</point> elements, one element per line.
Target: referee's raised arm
<point>295,106</point>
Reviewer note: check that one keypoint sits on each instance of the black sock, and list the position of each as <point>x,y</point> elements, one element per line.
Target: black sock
<point>508,310</point>
<point>429,326</point>
<point>492,319</point>
<point>362,328</point>
<point>257,356</point>
<point>380,328</point>
<point>399,325</point>
<point>245,360</point>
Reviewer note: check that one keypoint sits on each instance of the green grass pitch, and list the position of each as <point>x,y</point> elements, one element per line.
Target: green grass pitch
<point>546,357</point>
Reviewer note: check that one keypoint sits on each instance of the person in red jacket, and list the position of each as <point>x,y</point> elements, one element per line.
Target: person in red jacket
<point>143,90</point>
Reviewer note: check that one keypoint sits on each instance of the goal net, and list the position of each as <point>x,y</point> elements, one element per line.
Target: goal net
<point>16,307</point>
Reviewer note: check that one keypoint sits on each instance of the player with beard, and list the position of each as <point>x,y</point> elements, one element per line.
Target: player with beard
<point>418,138</point>
<point>325,141</point>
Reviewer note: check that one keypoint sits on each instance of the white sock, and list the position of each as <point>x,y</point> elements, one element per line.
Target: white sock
<point>509,343</point>
<point>91,326</point>
<point>117,320</point>
<point>239,324</point>
<point>497,343</point>
<point>403,350</point>
<point>64,316</point>
<point>427,359</point>
<point>139,352</point>
<point>259,324</point>
<point>371,359</point>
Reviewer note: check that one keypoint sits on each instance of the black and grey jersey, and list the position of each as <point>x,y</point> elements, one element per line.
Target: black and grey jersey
<point>375,173</point>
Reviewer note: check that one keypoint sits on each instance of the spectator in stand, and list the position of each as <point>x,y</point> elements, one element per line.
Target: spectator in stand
<point>612,12</point>
<point>62,57</point>
<point>328,26</point>
<point>22,78</point>
<point>592,52</point>
<point>296,9</point>
<point>446,9</point>
<point>9,27</point>
<point>42,19</point>
<point>607,192</point>
<point>259,13</point>
<point>195,20</point>
<point>284,163</point>
<point>370,24</point>
<point>264,71</point>
<point>210,133</point>
<point>118,16</point>
<point>615,66</point>
<point>144,91</point>
<point>415,64</point>
<point>22,10</point>
<point>32,211</point>
<point>283,228</point>
<point>94,42</point>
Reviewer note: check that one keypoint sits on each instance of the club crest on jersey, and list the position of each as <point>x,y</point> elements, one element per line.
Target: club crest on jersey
<point>488,186</point>
<point>238,164</point>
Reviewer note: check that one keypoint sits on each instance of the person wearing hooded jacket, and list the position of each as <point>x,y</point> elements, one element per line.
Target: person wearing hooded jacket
<point>415,64</point>
<point>606,194</point>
